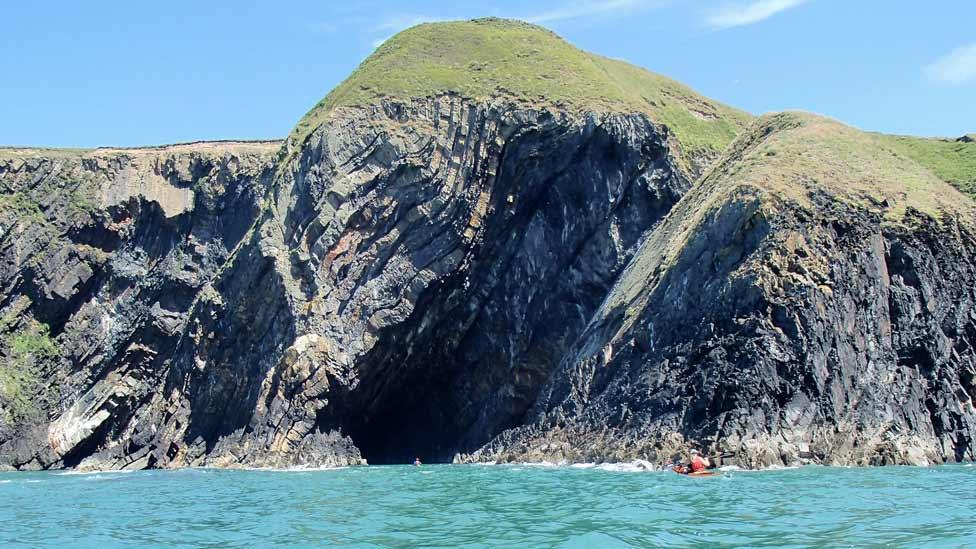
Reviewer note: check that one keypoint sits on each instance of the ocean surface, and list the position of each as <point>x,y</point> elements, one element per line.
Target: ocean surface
<point>492,506</point>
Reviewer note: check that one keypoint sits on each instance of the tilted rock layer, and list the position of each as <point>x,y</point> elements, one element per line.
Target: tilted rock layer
<point>781,320</point>
<point>480,278</point>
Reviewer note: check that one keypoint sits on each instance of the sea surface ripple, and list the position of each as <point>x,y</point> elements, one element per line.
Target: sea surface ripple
<point>491,506</point>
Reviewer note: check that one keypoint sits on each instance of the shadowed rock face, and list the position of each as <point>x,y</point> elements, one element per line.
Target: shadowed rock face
<point>516,225</point>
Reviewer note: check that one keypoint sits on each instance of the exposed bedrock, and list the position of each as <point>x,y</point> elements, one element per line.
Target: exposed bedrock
<point>425,266</point>
<point>415,273</point>
<point>781,333</point>
<point>103,254</point>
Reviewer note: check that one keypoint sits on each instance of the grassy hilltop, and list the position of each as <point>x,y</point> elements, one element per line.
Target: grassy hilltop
<point>503,58</point>
<point>528,64</point>
<point>532,66</point>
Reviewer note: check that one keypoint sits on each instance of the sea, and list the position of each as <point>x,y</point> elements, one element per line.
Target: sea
<point>599,506</point>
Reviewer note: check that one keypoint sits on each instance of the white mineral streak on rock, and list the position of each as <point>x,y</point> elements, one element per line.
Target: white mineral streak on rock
<point>74,426</point>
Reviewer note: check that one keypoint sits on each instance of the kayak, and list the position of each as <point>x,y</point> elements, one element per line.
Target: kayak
<point>704,474</point>
<point>684,471</point>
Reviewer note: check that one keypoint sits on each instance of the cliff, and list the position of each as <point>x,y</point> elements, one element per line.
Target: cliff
<point>811,299</point>
<point>103,253</point>
<point>487,244</point>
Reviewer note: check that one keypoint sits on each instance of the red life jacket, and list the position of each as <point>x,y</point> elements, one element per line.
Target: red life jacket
<point>698,464</point>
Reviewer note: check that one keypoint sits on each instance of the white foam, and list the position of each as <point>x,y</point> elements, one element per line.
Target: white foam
<point>291,469</point>
<point>103,476</point>
<point>636,466</point>
<point>544,464</point>
<point>96,472</point>
<point>775,467</point>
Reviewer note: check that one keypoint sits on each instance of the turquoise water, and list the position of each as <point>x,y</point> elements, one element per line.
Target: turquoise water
<point>498,506</point>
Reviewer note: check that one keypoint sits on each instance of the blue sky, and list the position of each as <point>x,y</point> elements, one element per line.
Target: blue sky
<point>129,73</point>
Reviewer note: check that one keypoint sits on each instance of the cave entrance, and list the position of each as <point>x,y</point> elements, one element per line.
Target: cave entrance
<point>414,422</point>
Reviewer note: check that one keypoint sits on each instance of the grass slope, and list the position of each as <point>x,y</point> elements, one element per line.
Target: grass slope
<point>952,160</point>
<point>504,58</point>
<point>792,154</point>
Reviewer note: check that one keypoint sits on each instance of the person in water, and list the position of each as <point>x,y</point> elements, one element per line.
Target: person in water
<point>416,461</point>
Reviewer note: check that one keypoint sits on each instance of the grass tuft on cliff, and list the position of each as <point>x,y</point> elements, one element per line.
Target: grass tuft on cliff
<point>485,58</point>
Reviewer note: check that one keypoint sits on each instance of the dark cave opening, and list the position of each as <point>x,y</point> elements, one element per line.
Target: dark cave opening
<point>411,423</point>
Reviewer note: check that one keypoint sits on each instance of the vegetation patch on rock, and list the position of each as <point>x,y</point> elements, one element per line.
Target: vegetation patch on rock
<point>794,154</point>
<point>18,373</point>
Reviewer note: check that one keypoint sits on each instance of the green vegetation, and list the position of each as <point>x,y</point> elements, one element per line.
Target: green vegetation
<point>794,154</point>
<point>701,125</point>
<point>952,160</point>
<point>528,64</point>
<point>82,200</point>
<point>18,375</point>
<point>21,206</point>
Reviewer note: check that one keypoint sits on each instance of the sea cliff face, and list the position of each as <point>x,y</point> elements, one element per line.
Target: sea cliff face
<point>786,322</point>
<point>104,252</point>
<point>477,241</point>
<point>490,278</point>
<point>413,276</point>
<point>471,281</point>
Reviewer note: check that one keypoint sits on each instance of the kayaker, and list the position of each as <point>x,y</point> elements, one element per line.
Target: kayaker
<point>698,462</point>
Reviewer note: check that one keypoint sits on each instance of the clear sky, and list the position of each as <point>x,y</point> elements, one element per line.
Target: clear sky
<point>84,74</point>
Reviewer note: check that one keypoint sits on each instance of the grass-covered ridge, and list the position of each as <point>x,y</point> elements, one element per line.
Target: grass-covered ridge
<point>503,58</point>
<point>782,162</point>
<point>953,160</point>
<point>794,154</point>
